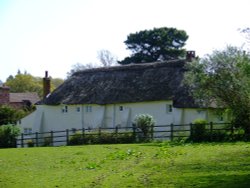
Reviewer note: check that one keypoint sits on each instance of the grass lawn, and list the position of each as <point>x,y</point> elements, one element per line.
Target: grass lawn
<point>128,165</point>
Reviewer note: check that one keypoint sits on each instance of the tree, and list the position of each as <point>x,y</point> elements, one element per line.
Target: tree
<point>10,115</point>
<point>9,78</point>
<point>246,34</point>
<point>22,83</point>
<point>55,82</point>
<point>159,44</point>
<point>78,67</point>
<point>145,123</point>
<point>8,134</point>
<point>223,78</point>
<point>106,58</point>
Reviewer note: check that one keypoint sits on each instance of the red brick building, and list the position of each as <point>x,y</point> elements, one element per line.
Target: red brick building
<point>17,100</point>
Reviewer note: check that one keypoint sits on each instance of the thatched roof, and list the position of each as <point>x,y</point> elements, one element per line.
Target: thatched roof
<point>124,84</point>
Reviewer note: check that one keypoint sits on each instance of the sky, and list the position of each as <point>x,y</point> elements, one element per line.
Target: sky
<point>54,35</point>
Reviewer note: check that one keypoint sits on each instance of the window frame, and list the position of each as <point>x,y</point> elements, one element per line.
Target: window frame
<point>169,108</point>
<point>88,109</point>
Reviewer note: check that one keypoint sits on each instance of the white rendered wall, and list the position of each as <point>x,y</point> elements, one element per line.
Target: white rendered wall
<point>47,118</point>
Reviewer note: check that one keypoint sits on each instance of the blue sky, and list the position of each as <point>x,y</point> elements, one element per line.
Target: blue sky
<point>53,35</point>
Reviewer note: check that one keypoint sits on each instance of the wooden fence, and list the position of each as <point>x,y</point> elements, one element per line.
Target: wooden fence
<point>158,132</point>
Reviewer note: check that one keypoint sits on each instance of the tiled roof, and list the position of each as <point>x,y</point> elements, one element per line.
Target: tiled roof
<point>20,97</point>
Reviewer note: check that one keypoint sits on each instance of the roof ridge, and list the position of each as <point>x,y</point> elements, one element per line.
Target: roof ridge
<point>170,63</point>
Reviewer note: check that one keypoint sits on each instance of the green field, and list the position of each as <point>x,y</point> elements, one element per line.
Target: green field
<point>131,165</point>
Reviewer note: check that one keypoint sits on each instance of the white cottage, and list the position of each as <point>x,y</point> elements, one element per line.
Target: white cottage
<point>113,96</point>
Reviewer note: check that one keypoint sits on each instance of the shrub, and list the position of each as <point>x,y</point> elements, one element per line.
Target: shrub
<point>217,136</point>
<point>198,130</point>
<point>47,141</point>
<point>8,134</point>
<point>30,143</point>
<point>145,123</point>
<point>125,137</point>
<point>80,138</point>
<point>9,115</point>
<point>76,139</point>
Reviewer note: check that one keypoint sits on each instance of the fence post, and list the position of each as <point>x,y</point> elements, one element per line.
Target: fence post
<point>99,134</point>
<point>232,131</point>
<point>134,131</point>
<point>191,130</point>
<point>51,138</point>
<point>152,132</point>
<point>36,139</point>
<point>116,133</point>
<point>83,135</point>
<point>211,131</point>
<point>67,137</point>
<point>171,131</point>
<point>22,145</point>
<point>232,128</point>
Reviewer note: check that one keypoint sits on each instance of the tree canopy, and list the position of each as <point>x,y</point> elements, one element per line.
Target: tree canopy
<point>106,58</point>
<point>10,115</point>
<point>24,82</point>
<point>158,44</point>
<point>223,78</point>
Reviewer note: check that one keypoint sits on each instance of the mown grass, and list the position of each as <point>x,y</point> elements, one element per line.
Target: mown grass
<point>131,165</point>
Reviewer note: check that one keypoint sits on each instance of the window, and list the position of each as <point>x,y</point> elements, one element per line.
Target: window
<point>121,108</point>
<point>169,108</point>
<point>200,111</point>
<point>88,108</point>
<point>220,118</point>
<point>27,130</point>
<point>65,109</point>
<point>78,109</point>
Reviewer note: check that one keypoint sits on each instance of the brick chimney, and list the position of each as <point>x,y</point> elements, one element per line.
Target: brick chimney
<point>46,85</point>
<point>4,95</point>
<point>190,55</point>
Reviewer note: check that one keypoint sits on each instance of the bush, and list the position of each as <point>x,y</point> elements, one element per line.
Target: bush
<point>80,138</point>
<point>198,130</point>
<point>8,134</point>
<point>76,139</point>
<point>145,123</point>
<point>30,143</point>
<point>9,115</point>
<point>217,136</point>
<point>47,141</point>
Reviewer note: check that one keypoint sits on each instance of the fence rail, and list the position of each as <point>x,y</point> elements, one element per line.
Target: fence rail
<point>166,132</point>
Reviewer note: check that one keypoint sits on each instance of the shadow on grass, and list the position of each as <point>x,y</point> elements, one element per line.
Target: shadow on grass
<point>222,181</point>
